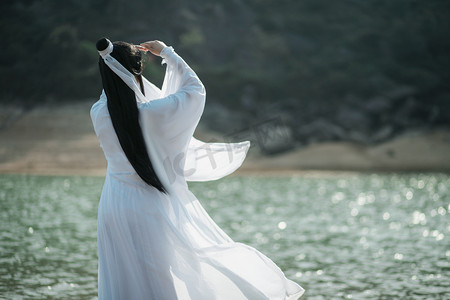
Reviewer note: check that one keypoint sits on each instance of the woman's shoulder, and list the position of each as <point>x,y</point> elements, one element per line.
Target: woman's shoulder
<point>98,106</point>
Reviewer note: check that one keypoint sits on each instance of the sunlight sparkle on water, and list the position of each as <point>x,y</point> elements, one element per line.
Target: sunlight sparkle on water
<point>282,225</point>
<point>360,236</point>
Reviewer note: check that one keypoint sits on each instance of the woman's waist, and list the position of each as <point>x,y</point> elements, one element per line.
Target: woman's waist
<point>131,177</point>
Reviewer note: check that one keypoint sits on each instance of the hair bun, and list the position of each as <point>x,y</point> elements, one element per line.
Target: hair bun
<point>102,44</point>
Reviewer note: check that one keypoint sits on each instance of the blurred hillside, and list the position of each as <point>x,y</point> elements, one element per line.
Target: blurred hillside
<point>348,70</point>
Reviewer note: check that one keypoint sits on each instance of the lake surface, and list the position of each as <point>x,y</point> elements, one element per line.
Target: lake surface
<point>343,236</point>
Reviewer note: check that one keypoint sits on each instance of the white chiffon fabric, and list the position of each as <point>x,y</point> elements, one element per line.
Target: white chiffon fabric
<point>165,246</point>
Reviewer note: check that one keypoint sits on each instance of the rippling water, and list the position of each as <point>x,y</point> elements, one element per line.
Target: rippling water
<point>340,237</point>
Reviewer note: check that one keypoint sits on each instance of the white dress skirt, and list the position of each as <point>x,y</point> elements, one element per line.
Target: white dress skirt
<point>165,246</point>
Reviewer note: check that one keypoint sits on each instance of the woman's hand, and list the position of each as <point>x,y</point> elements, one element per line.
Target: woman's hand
<point>155,47</point>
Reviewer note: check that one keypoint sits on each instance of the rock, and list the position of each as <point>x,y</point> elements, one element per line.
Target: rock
<point>221,119</point>
<point>376,105</point>
<point>399,93</point>
<point>405,114</point>
<point>319,130</point>
<point>382,134</point>
<point>353,118</point>
<point>357,136</point>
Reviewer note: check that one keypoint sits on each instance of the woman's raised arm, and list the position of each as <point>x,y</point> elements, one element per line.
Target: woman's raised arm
<point>182,95</point>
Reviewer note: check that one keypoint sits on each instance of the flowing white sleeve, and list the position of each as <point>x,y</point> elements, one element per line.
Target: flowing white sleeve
<point>211,161</point>
<point>182,101</point>
<point>173,118</point>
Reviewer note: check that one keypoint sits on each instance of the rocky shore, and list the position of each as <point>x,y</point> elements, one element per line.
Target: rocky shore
<point>59,140</point>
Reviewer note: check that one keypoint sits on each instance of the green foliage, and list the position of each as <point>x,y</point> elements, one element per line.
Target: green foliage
<point>193,38</point>
<point>317,51</point>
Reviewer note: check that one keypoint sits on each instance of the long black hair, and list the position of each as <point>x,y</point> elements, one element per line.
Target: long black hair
<point>123,109</point>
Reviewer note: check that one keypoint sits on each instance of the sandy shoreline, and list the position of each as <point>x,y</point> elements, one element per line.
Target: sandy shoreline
<point>59,140</point>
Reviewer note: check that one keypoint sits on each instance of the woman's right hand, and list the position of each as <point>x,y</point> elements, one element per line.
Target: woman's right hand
<point>155,47</point>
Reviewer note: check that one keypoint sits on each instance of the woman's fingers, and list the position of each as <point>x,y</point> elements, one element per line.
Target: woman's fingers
<point>154,47</point>
<point>144,46</point>
<point>139,47</point>
<point>148,45</point>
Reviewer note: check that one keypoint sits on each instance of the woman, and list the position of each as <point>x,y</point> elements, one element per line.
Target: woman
<point>155,240</point>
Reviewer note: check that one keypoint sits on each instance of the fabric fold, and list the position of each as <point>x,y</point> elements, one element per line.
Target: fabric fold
<point>153,245</point>
<point>204,161</point>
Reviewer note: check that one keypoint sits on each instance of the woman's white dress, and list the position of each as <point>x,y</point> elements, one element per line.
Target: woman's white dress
<point>165,246</point>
